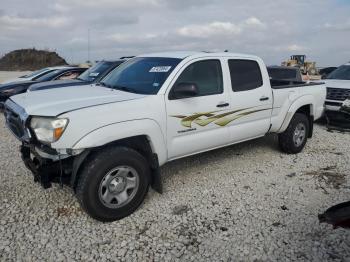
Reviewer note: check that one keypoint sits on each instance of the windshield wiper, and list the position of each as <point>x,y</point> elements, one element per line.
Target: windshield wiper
<point>104,85</point>
<point>126,89</point>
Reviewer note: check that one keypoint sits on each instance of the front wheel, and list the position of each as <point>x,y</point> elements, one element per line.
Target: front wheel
<point>293,140</point>
<point>113,183</point>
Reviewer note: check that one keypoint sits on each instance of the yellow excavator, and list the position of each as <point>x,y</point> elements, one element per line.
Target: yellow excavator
<point>306,67</point>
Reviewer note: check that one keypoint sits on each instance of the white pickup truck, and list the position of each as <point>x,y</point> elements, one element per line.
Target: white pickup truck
<point>108,140</point>
<point>338,95</point>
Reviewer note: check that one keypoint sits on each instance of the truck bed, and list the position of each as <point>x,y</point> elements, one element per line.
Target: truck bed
<point>281,84</point>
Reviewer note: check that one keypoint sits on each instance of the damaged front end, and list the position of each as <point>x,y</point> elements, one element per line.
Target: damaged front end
<point>48,165</point>
<point>345,108</point>
<point>341,116</point>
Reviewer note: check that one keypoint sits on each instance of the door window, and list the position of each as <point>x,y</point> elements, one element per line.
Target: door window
<point>68,75</point>
<point>245,75</point>
<point>207,75</point>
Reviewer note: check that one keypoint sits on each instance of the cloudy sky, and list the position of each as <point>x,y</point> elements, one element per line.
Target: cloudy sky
<point>272,29</point>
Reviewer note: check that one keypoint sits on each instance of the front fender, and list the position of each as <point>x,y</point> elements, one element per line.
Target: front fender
<point>300,102</point>
<point>116,131</point>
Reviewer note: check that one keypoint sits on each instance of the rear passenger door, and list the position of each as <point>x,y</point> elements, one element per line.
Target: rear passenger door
<point>251,99</point>
<point>192,123</point>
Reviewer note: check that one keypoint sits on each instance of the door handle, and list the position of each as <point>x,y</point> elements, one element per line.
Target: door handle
<point>264,98</point>
<point>223,105</point>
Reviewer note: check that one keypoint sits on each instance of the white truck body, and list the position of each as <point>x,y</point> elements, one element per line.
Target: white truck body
<point>153,115</point>
<point>337,103</point>
<point>174,128</point>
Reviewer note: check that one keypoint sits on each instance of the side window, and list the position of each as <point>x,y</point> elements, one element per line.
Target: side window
<point>245,75</point>
<point>68,75</point>
<point>207,75</point>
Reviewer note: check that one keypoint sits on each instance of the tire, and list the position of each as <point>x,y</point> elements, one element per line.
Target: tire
<point>288,141</point>
<point>103,177</point>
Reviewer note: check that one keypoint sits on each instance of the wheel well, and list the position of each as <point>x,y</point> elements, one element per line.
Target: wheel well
<point>140,144</point>
<point>306,110</point>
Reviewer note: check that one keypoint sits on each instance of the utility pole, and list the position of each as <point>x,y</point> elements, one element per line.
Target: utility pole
<point>88,47</point>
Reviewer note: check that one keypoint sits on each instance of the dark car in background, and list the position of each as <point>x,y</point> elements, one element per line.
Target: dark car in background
<point>324,72</point>
<point>92,75</point>
<point>14,88</point>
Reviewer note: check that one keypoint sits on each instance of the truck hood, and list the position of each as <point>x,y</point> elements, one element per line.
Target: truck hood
<point>334,83</point>
<point>53,102</point>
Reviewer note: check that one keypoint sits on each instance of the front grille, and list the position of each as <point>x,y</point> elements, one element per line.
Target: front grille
<point>338,94</point>
<point>15,122</point>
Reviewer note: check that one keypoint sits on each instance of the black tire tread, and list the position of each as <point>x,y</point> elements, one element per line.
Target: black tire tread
<point>285,139</point>
<point>95,159</point>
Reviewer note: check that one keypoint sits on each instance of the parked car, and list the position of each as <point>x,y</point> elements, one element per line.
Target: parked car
<point>285,73</point>
<point>92,75</point>
<point>34,75</point>
<point>338,95</point>
<point>324,72</point>
<point>14,88</point>
<point>107,141</point>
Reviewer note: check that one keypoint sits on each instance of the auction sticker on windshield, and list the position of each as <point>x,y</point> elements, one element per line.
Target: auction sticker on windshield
<point>160,69</point>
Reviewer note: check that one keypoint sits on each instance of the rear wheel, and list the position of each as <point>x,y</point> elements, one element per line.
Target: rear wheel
<point>113,183</point>
<point>293,140</point>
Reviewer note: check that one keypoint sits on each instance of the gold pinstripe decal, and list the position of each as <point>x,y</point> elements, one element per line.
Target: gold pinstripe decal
<point>210,117</point>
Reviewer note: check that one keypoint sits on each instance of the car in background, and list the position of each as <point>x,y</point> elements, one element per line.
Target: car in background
<point>34,75</point>
<point>285,73</point>
<point>92,75</point>
<point>14,88</point>
<point>324,72</point>
<point>338,95</point>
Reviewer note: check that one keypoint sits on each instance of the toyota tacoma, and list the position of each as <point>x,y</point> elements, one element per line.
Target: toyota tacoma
<point>108,140</point>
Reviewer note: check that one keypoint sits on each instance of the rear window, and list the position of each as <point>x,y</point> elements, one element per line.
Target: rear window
<point>50,75</point>
<point>35,73</point>
<point>245,75</point>
<point>277,73</point>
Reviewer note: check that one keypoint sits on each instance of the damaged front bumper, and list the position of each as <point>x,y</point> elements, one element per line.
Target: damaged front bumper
<point>338,112</point>
<point>48,167</point>
<point>46,170</point>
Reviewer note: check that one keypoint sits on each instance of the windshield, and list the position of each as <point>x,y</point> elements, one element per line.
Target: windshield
<point>141,75</point>
<point>38,72</point>
<point>95,71</point>
<point>341,73</point>
<point>49,76</point>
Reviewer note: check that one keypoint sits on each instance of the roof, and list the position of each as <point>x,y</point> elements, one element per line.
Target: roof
<point>176,54</point>
<point>194,54</point>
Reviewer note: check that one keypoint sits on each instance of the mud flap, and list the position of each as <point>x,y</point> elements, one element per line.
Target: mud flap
<point>156,176</point>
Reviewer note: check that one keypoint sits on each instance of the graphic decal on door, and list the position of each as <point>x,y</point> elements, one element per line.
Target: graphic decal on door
<point>204,119</point>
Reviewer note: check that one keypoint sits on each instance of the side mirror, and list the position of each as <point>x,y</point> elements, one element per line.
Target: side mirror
<point>184,90</point>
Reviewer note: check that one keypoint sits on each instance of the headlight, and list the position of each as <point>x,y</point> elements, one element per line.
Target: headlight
<point>48,130</point>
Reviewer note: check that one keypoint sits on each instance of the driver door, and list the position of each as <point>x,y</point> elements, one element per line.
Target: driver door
<point>193,123</point>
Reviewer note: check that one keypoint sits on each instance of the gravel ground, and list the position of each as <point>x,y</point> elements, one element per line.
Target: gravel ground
<point>241,203</point>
